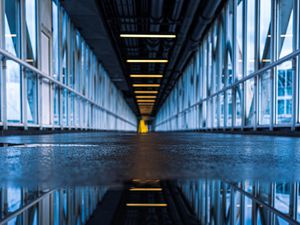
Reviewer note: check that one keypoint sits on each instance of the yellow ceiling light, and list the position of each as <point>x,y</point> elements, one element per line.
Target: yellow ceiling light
<point>145,92</point>
<point>146,204</point>
<point>146,108</point>
<point>147,60</point>
<point>145,189</point>
<point>146,85</point>
<point>145,96</point>
<point>148,35</point>
<point>145,104</point>
<point>145,100</point>
<point>146,75</point>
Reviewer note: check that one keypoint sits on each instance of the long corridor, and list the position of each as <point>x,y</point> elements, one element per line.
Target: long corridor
<point>145,112</point>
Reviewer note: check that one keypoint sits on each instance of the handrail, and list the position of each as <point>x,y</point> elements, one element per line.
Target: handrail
<point>236,83</point>
<point>270,208</point>
<point>24,208</point>
<point>10,56</point>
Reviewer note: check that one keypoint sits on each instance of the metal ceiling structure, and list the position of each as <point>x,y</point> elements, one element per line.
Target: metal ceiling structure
<point>103,21</point>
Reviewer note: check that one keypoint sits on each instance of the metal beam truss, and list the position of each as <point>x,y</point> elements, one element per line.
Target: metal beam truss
<point>62,206</point>
<point>245,203</point>
<point>245,73</point>
<point>50,78</point>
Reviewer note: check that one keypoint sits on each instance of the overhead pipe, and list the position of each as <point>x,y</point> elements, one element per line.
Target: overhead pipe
<point>181,37</point>
<point>155,17</point>
<point>177,10</point>
<point>192,42</point>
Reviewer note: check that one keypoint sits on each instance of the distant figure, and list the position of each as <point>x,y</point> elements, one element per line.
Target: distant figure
<point>143,127</point>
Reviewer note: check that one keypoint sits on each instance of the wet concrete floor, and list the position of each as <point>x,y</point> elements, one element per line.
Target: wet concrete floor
<point>111,158</point>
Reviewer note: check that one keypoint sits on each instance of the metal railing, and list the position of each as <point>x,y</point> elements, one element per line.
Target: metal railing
<point>236,83</point>
<point>8,56</point>
<point>25,208</point>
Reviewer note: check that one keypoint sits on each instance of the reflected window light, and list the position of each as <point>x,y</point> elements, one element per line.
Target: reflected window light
<point>10,35</point>
<point>286,35</point>
<point>29,60</point>
<point>266,60</point>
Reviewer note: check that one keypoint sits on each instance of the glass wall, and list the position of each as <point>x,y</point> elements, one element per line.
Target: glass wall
<point>13,72</point>
<point>57,49</point>
<point>245,38</point>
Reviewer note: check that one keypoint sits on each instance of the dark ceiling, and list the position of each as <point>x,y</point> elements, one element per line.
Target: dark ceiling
<point>102,21</point>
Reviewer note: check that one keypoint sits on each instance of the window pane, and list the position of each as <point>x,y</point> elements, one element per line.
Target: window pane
<point>12,34</point>
<point>229,108</point>
<point>284,80</point>
<point>56,105</point>
<point>222,109</point>
<point>31,97</point>
<point>285,28</point>
<point>265,98</point>
<point>265,32</point>
<point>248,211</point>
<point>249,95</point>
<point>229,41</point>
<point>215,113</point>
<point>30,13</point>
<point>55,58</point>
<point>250,36</point>
<point>238,106</point>
<point>282,197</point>
<point>239,39</point>
<point>12,45</point>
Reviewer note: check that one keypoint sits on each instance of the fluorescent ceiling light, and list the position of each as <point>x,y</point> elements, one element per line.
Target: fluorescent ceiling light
<point>146,104</point>
<point>146,85</point>
<point>148,35</point>
<point>145,92</point>
<point>146,204</point>
<point>145,100</point>
<point>145,189</point>
<point>146,75</point>
<point>147,60</point>
<point>145,96</point>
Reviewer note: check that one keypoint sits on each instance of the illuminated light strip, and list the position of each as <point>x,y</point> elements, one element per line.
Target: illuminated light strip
<point>145,189</point>
<point>146,92</point>
<point>145,96</point>
<point>145,180</point>
<point>146,85</point>
<point>29,60</point>
<point>147,60</point>
<point>10,35</point>
<point>145,100</point>
<point>148,35</point>
<point>146,104</point>
<point>146,204</point>
<point>146,75</point>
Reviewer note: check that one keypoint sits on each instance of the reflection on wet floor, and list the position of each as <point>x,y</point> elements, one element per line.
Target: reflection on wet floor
<point>198,179</point>
<point>155,201</point>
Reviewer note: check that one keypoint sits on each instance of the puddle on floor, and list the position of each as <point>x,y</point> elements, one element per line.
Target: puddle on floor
<point>210,201</point>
